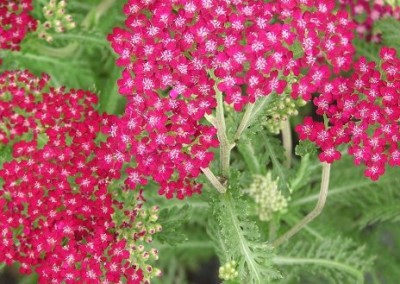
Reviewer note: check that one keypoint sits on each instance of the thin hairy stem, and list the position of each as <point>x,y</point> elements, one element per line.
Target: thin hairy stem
<point>314,213</point>
<point>211,119</point>
<point>213,180</point>
<point>253,110</point>
<point>103,7</point>
<point>287,142</point>
<point>245,121</point>
<point>224,147</point>
<point>282,260</point>
<point>95,14</point>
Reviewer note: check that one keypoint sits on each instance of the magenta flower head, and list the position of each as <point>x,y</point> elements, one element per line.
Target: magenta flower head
<point>15,22</point>
<point>177,54</point>
<point>57,217</point>
<point>363,112</point>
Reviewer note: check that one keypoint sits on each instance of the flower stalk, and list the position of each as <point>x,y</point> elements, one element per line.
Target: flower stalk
<point>287,142</point>
<point>314,213</point>
<point>245,121</point>
<point>225,147</point>
<point>213,180</point>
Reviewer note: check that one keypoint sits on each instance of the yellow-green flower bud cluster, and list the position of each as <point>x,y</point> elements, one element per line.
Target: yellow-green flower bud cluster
<point>269,199</point>
<point>139,236</point>
<point>280,110</point>
<point>57,21</point>
<point>228,271</point>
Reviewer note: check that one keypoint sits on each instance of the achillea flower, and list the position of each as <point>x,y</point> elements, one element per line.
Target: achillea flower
<point>363,111</point>
<point>57,217</point>
<point>177,54</point>
<point>15,22</point>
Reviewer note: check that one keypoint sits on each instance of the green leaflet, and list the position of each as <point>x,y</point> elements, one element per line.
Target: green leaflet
<point>305,147</point>
<point>390,29</point>
<point>379,214</point>
<point>254,154</point>
<point>261,151</point>
<point>367,49</point>
<point>5,156</point>
<point>276,154</point>
<point>172,220</point>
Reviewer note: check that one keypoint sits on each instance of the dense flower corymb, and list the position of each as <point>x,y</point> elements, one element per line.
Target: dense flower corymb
<point>57,216</point>
<point>177,54</point>
<point>15,22</point>
<point>363,111</point>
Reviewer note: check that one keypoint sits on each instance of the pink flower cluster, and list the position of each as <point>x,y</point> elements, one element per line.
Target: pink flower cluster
<point>56,213</point>
<point>363,111</point>
<point>176,54</point>
<point>15,22</point>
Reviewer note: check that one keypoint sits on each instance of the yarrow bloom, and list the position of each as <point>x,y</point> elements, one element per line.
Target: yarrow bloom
<point>363,111</point>
<point>15,22</point>
<point>57,217</point>
<point>177,54</point>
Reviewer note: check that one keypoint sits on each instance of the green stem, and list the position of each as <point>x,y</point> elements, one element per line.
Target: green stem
<point>245,121</point>
<point>294,220</point>
<point>95,14</point>
<point>211,119</point>
<point>103,7</point>
<point>272,230</point>
<point>213,180</point>
<point>251,113</point>
<point>314,213</point>
<point>60,52</point>
<point>333,191</point>
<point>287,142</point>
<point>187,245</point>
<point>83,38</point>
<point>281,260</point>
<point>225,147</point>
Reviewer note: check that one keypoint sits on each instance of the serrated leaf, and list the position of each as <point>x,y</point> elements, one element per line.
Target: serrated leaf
<point>172,220</point>
<point>305,147</point>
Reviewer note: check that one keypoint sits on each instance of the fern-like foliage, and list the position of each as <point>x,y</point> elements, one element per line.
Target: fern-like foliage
<point>379,214</point>
<point>237,237</point>
<point>254,155</point>
<point>263,151</point>
<point>276,154</point>
<point>369,50</point>
<point>390,29</point>
<point>182,243</point>
<point>335,260</point>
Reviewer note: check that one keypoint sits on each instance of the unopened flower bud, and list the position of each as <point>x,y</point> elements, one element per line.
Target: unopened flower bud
<point>145,255</point>
<point>153,218</point>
